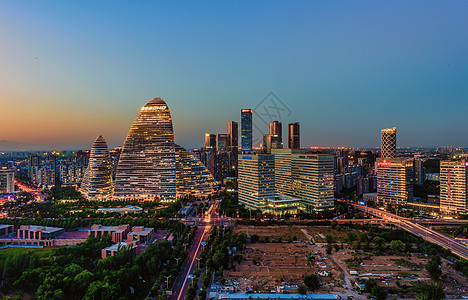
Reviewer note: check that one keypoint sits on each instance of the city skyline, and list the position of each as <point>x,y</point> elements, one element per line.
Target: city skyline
<point>344,71</point>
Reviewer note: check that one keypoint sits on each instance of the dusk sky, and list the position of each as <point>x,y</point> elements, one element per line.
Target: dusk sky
<point>71,70</point>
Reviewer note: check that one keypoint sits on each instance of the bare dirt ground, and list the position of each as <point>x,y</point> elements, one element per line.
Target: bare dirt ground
<point>274,265</point>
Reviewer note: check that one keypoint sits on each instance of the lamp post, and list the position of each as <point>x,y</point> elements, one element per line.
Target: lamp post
<point>167,281</point>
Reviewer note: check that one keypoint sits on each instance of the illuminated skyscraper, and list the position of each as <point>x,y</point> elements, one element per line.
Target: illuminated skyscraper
<point>453,187</point>
<point>276,128</point>
<point>246,129</point>
<point>233,144</point>
<point>97,181</point>
<point>151,166</point>
<point>210,141</point>
<point>388,143</point>
<point>294,136</point>
<point>394,180</point>
<point>223,142</point>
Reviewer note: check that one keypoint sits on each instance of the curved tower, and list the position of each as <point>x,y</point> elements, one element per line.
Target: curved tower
<point>193,178</point>
<point>97,182</point>
<point>147,167</point>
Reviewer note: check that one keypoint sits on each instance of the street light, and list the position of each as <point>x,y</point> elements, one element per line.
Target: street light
<point>177,258</point>
<point>167,281</point>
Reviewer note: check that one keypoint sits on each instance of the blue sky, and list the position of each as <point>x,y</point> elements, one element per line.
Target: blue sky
<point>70,71</point>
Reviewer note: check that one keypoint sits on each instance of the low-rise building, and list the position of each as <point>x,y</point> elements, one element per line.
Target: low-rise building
<point>118,233</point>
<point>121,246</point>
<point>6,229</point>
<point>129,209</point>
<point>34,232</point>
<point>141,234</point>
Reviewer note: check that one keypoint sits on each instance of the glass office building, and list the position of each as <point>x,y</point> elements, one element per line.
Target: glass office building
<point>246,129</point>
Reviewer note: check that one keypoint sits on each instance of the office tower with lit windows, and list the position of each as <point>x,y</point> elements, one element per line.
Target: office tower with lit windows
<point>394,180</point>
<point>271,141</point>
<point>233,144</point>
<point>453,187</point>
<point>246,129</point>
<point>7,180</point>
<point>210,141</point>
<point>256,180</point>
<point>223,142</point>
<point>148,167</point>
<point>388,143</point>
<point>307,177</point>
<point>97,181</point>
<point>276,128</point>
<point>294,136</point>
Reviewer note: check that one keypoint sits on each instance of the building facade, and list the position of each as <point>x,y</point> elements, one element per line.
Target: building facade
<point>97,183</point>
<point>388,143</point>
<point>276,128</point>
<point>7,181</point>
<point>246,129</point>
<point>453,187</point>
<point>256,180</point>
<point>294,136</point>
<point>394,180</point>
<point>210,141</point>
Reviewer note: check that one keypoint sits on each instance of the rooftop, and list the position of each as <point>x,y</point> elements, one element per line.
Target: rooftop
<point>115,247</point>
<point>44,229</point>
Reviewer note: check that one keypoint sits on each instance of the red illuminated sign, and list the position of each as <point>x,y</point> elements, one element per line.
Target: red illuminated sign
<point>246,110</point>
<point>385,163</point>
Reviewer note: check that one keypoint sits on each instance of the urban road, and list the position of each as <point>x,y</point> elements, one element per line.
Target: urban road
<point>181,284</point>
<point>426,233</point>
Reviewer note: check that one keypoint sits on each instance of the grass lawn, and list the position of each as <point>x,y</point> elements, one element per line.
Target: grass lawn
<point>42,252</point>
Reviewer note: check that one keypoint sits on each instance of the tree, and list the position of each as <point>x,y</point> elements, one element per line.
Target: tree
<point>312,282</point>
<point>378,293</point>
<point>369,284</point>
<point>378,242</point>
<point>329,248</point>
<point>433,267</point>
<point>397,246</point>
<point>301,289</point>
<point>431,291</point>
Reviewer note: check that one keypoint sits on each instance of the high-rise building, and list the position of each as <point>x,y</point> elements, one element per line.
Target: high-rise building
<point>276,128</point>
<point>388,143</point>
<point>97,183</point>
<point>453,187</point>
<point>419,172</point>
<point>147,166</point>
<point>256,180</point>
<point>246,129</point>
<point>223,142</point>
<point>7,180</point>
<point>233,144</point>
<point>192,177</point>
<point>271,141</point>
<point>210,141</point>
<point>308,177</point>
<point>394,180</point>
<point>294,136</point>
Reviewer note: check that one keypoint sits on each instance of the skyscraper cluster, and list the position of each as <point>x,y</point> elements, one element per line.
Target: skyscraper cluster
<point>151,166</point>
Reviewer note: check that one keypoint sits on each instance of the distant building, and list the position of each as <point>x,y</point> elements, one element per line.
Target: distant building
<point>223,142</point>
<point>233,144</point>
<point>129,209</point>
<point>271,141</point>
<point>453,187</point>
<point>394,180</point>
<point>6,229</point>
<point>210,141</point>
<point>140,234</point>
<point>388,143</point>
<point>256,180</point>
<point>419,172</point>
<point>276,128</point>
<point>7,181</point>
<point>246,129</point>
<point>294,136</point>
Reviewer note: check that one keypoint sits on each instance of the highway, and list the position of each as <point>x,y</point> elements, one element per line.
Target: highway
<point>428,234</point>
<point>181,284</point>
